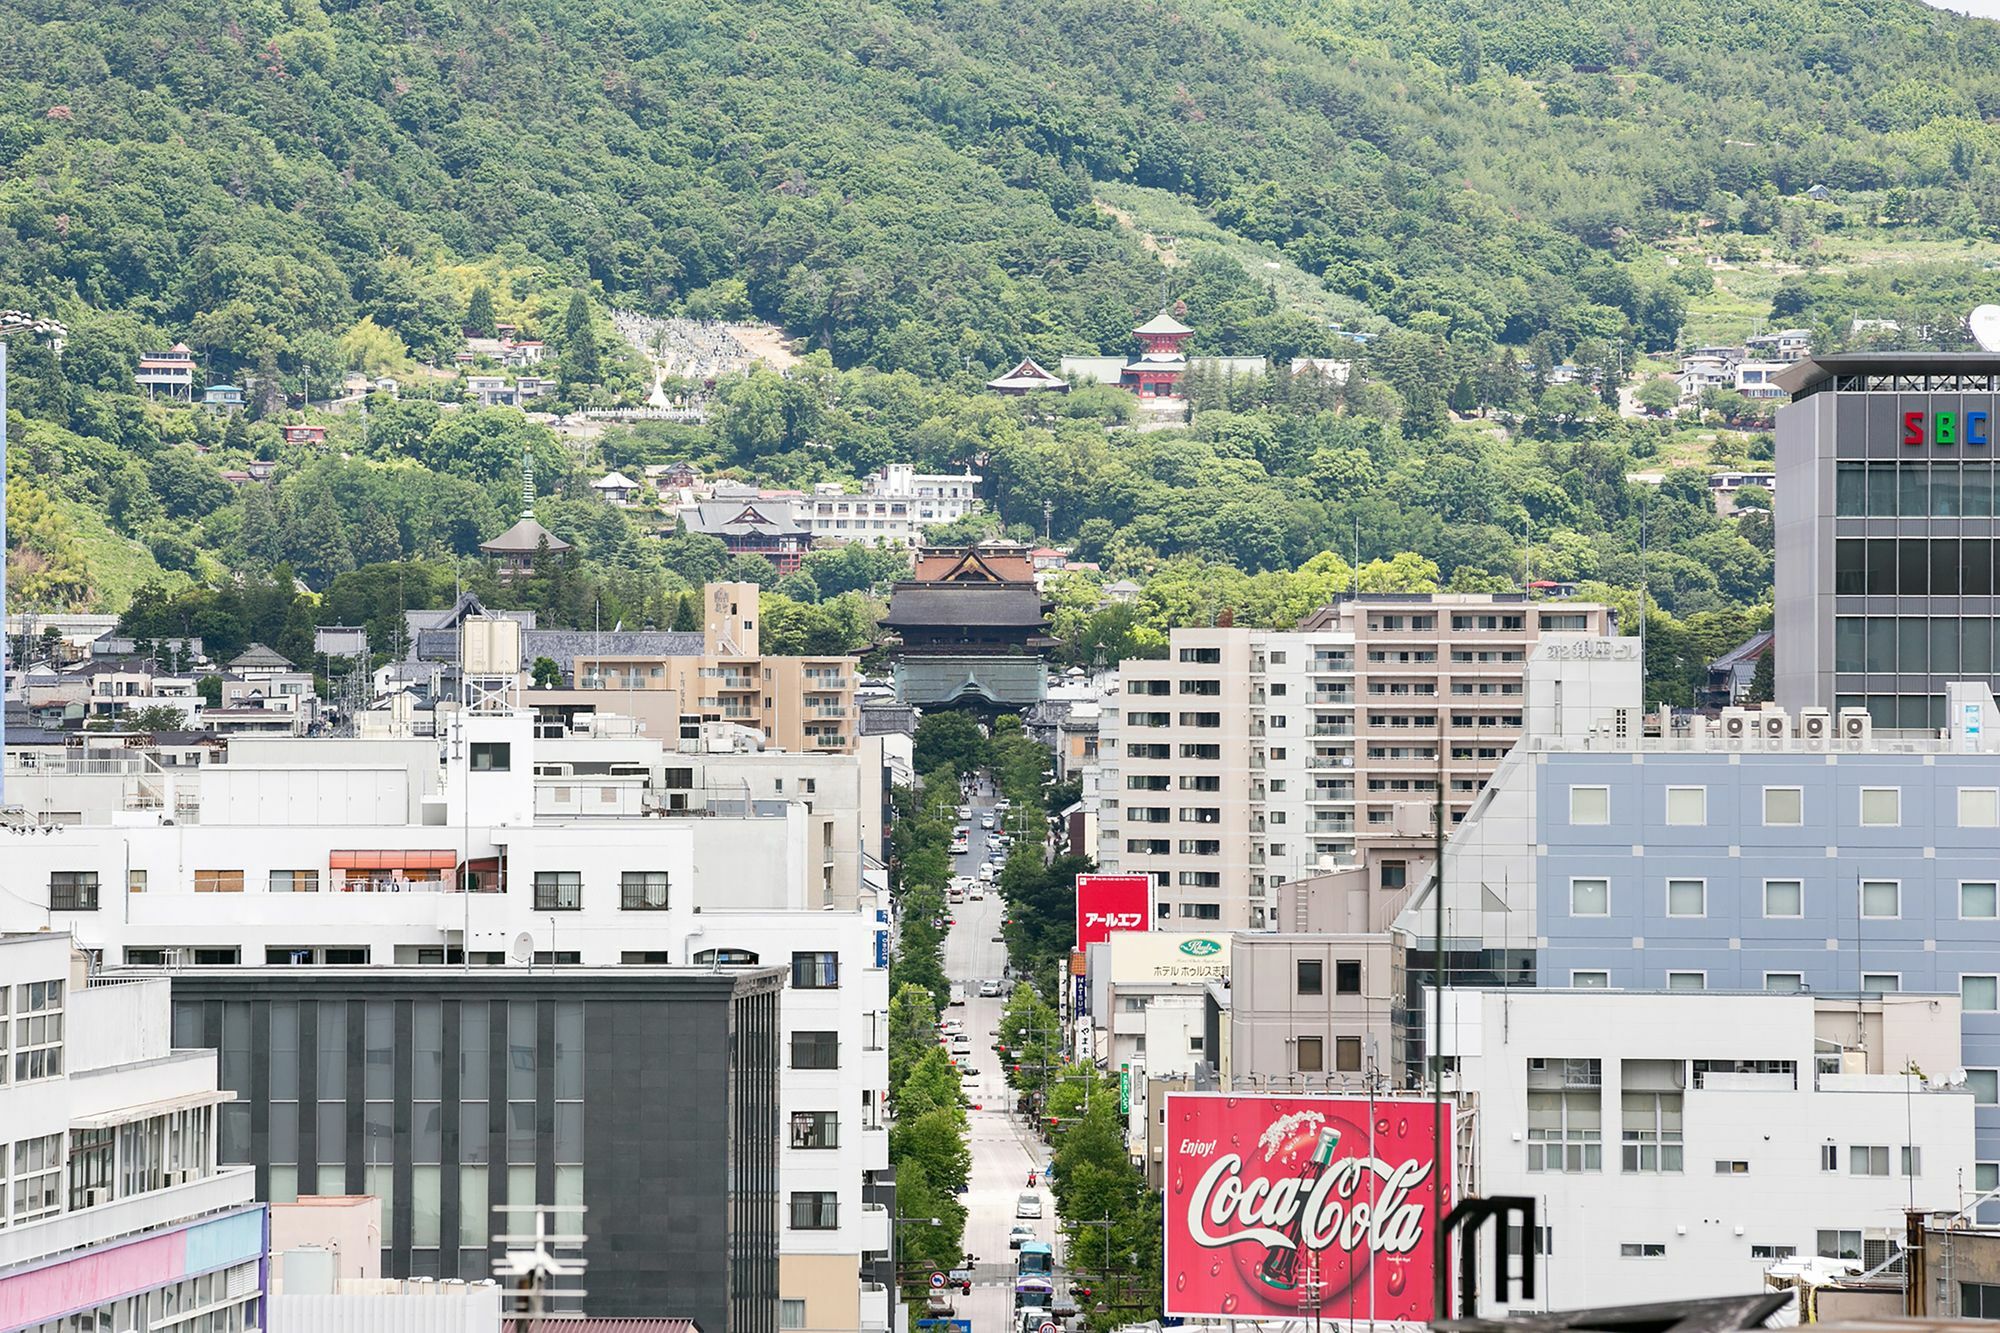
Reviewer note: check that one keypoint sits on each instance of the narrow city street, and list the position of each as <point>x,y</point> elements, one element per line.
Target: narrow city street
<point>1004,1148</point>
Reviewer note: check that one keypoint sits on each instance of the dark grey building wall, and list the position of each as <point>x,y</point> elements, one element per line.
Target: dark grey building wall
<point>432,1088</point>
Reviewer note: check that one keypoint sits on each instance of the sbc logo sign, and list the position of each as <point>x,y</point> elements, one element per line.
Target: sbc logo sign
<point>1944,429</point>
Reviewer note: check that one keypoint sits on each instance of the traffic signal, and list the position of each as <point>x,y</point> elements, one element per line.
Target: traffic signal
<point>1082,1293</point>
<point>1055,1121</point>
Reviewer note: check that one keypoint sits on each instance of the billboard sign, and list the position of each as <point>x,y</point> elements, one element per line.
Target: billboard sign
<point>1161,957</point>
<point>1270,1196</point>
<point>1105,903</point>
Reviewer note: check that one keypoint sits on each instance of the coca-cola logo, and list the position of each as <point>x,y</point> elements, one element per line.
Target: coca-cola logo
<point>1226,1209</point>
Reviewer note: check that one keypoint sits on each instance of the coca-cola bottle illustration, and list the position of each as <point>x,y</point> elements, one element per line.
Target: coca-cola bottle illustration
<point>1283,1262</point>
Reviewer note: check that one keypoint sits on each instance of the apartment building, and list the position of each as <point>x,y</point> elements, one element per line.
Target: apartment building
<point>1313,1010</point>
<point>1678,1145</point>
<point>795,703</point>
<point>115,1209</point>
<point>1246,758</point>
<point>894,507</point>
<point>492,849</point>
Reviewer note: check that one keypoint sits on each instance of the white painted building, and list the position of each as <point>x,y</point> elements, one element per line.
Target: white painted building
<point>490,843</point>
<point>894,506</point>
<point>1678,1144</point>
<point>113,1211</point>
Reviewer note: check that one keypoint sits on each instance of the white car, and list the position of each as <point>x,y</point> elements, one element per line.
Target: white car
<point>989,989</point>
<point>1020,1236</point>
<point>1028,1205</point>
<point>986,872</point>
<point>965,812</point>
<point>978,896</point>
<point>986,821</point>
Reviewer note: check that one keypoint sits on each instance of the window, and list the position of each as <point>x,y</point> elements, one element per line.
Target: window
<point>73,891</point>
<point>1978,807</point>
<point>1978,1300</point>
<point>558,891</point>
<point>815,971</point>
<point>1978,900</point>
<point>815,1050</point>
<point>1913,1160</point>
<point>1731,1168</point>
<point>1310,975</point>
<point>1784,805</point>
<point>1651,1130</point>
<point>1881,983</point>
<point>1882,807</point>
<point>1687,981</point>
<point>1590,897</point>
<point>295,881</point>
<point>1881,898</point>
<point>1565,1123</point>
<point>1829,1157</point>
<point>1773,1252</point>
<point>815,1129</point>
<point>1784,898</point>
<point>1868,1160</point>
<point>1590,980</point>
<point>1590,805</point>
<point>37,1176</point>
<point>1985,1176</point>
<point>1347,1055</point>
<point>38,1030</point>
<point>1631,1251</point>
<point>1310,1057</point>
<point>815,1210</point>
<point>1687,897</point>
<point>1839,1245</point>
<point>1395,874</point>
<point>1347,976</point>
<point>726,958</point>
<point>135,881</point>
<point>1202,656</point>
<point>791,1314</point>
<point>1200,911</point>
<point>1985,1085</point>
<point>1687,805</point>
<point>218,881</point>
<point>643,891</point>
<point>1979,993</point>
<point>492,756</point>
<point>1784,983</point>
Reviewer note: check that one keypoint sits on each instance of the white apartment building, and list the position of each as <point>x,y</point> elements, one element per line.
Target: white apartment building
<point>1679,1144</point>
<point>489,846</point>
<point>1247,758</point>
<point>894,506</point>
<point>113,1211</point>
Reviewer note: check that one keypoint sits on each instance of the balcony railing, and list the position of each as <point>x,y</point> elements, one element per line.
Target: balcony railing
<point>26,1242</point>
<point>1330,729</point>
<point>1329,761</point>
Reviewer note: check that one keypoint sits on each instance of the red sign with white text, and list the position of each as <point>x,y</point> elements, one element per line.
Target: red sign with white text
<point>1105,903</point>
<point>1277,1206</point>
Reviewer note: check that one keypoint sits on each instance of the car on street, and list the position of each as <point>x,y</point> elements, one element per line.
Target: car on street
<point>986,873</point>
<point>1020,1236</point>
<point>989,989</point>
<point>999,938</point>
<point>958,995</point>
<point>1028,1205</point>
<point>965,812</point>
<point>986,822</point>
<point>978,895</point>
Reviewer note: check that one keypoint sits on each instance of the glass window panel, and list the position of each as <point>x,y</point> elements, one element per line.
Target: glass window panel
<point>473,1218</point>
<point>380,1084</point>
<point>426,1131</point>
<point>521,1185</point>
<point>1881,643</point>
<point>1978,807</point>
<point>1850,565</point>
<point>1977,496</point>
<point>475,1062</point>
<point>1980,994</point>
<point>1686,897</point>
<point>427,1074</point>
<point>380,1181</point>
<point>1979,900</point>
<point>284,1184</point>
<point>569,1198</point>
<point>520,1132</point>
<point>1944,566</point>
<point>424,1209</point>
<point>1882,490</point>
<point>521,1050</point>
<point>1912,567</point>
<point>1975,646</point>
<point>1850,483</point>
<point>1784,897</point>
<point>1914,489</point>
<point>332,1141</point>
<point>1850,643</point>
<point>284,1050</point>
<point>1784,805</point>
<point>235,1141</point>
<point>1985,1085</point>
<point>1976,561</point>
<point>569,1049</point>
<point>1913,644</point>
<point>569,1132</point>
<point>1882,807</point>
<point>474,1132</point>
<point>1687,805</point>
<point>1589,897</point>
<point>1880,898</point>
<point>1944,490</point>
<point>284,1131</point>
<point>332,1051</point>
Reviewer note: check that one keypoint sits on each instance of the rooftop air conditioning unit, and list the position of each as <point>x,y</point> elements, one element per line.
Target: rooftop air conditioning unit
<point>1774,724</point>
<point>1857,726</point>
<point>1815,723</point>
<point>1735,726</point>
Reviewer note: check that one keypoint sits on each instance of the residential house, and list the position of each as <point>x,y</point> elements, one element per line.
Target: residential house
<point>168,374</point>
<point>492,391</point>
<point>224,399</point>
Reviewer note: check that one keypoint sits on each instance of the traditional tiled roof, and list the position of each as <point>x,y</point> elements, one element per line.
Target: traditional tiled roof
<point>524,538</point>
<point>259,658</point>
<point>1163,323</point>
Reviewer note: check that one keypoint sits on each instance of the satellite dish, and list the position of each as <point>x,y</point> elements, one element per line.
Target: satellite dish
<point>1986,327</point>
<point>524,948</point>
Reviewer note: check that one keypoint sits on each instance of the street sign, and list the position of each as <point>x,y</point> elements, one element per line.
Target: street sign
<point>937,1281</point>
<point>955,1325</point>
<point>1047,1326</point>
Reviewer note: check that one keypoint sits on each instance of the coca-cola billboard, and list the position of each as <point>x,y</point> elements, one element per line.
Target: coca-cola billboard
<point>1277,1206</point>
<point>1105,903</point>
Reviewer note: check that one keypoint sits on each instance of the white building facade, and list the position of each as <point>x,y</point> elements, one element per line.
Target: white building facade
<point>894,506</point>
<point>114,1211</point>
<point>1677,1145</point>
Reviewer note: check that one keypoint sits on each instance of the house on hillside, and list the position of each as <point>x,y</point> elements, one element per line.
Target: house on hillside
<point>492,391</point>
<point>309,435</point>
<point>223,399</point>
<point>168,374</point>
<point>615,488</point>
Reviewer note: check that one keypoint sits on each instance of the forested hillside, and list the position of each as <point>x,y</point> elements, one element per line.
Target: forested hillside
<point>918,192</point>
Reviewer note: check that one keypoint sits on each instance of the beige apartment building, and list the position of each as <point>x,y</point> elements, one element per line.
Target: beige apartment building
<point>1247,757</point>
<point>796,703</point>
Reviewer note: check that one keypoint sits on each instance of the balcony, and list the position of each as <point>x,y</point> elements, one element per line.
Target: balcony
<point>25,1242</point>
<point>1331,698</point>
<point>827,741</point>
<point>828,684</point>
<point>1329,826</point>
<point>1330,729</point>
<point>1329,761</point>
<point>735,683</point>
<point>874,1308</point>
<point>830,710</point>
<point>874,1228</point>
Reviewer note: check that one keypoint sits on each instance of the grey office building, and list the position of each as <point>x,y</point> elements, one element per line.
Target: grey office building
<point>647,1095</point>
<point>1888,532</point>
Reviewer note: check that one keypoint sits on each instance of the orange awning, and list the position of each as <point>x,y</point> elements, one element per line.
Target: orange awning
<point>392,860</point>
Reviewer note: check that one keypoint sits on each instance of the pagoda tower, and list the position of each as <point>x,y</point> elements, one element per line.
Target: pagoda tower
<point>1156,372</point>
